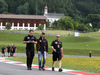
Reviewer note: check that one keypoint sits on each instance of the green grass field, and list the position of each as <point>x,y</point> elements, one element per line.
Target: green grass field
<point>82,64</point>
<point>71,45</point>
<point>61,32</point>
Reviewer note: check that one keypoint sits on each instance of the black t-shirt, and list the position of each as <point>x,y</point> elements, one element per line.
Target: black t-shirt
<point>3,48</point>
<point>57,45</point>
<point>8,48</point>
<point>14,48</point>
<point>30,46</point>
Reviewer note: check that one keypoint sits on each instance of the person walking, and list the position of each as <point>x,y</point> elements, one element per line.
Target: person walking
<point>57,52</point>
<point>8,50</point>
<point>3,51</point>
<point>42,49</point>
<point>30,40</point>
<point>13,50</point>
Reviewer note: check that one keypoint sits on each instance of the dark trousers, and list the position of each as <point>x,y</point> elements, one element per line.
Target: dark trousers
<point>30,56</point>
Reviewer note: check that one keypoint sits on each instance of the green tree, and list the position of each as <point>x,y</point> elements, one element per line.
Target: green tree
<point>55,25</point>
<point>94,19</point>
<point>66,23</point>
<point>40,27</point>
<point>18,11</point>
<point>81,27</point>
<point>77,9</point>
<point>23,9</point>
<point>8,26</point>
<point>47,23</point>
<point>5,12</point>
<point>3,6</point>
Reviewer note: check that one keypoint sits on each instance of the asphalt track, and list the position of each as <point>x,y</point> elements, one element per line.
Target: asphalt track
<point>49,55</point>
<point>9,69</point>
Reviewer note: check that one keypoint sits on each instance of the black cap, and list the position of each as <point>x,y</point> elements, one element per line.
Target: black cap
<point>43,33</point>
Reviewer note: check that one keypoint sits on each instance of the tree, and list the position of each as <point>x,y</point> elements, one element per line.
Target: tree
<point>8,26</point>
<point>47,23</point>
<point>94,19</point>
<point>66,23</point>
<point>77,9</point>
<point>81,27</point>
<point>5,12</point>
<point>40,27</point>
<point>18,11</point>
<point>3,6</point>
<point>23,9</point>
<point>55,25</point>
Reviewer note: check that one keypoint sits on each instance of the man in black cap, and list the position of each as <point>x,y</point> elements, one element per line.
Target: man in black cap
<point>30,40</point>
<point>42,48</point>
<point>57,52</point>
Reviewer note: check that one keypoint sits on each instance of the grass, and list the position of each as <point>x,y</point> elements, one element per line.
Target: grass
<point>71,45</point>
<point>61,32</point>
<point>81,64</point>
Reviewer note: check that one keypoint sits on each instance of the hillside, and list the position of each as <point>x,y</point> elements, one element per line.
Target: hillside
<point>78,9</point>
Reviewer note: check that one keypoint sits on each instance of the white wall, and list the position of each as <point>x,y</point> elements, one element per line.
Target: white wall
<point>18,27</point>
<point>51,20</point>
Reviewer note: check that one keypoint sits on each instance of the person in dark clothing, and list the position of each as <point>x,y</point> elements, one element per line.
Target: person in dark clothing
<point>30,40</point>
<point>8,49</point>
<point>13,50</point>
<point>42,49</point>
<point>57,52</point>
<point>3,51</point>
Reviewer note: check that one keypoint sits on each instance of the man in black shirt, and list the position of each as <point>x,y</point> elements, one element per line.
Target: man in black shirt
<point>3,51</point>
<point>42,48</point>
<point>57,52</point>
<point>13,50</point>
<point>8,49</point>
<point>30,40</point>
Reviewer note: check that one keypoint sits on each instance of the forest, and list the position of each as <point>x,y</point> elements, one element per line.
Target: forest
<point>76,9</point>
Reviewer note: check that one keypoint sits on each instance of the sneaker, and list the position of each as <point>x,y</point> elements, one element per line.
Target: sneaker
<point>60,70</point>
<point>29,68</point>
<point>43,69</point>
<point>53,69</point>
<point>39,69</point>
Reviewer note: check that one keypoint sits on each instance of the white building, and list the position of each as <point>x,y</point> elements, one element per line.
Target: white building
<point>51,17</point>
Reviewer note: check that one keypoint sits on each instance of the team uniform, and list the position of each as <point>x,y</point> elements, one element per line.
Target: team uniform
<point>8,49</point>
<point>11,52</point>
<point>42,44</point>
<point>42,47</point>
<point>3,50</point>
<point>30,51</point>
<point>13,49</point>
<point>57,46</point>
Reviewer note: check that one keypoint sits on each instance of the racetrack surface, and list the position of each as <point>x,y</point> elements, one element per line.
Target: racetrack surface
<point>9,69</point>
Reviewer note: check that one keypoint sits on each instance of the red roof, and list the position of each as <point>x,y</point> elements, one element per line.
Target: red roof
<point>14,16</point>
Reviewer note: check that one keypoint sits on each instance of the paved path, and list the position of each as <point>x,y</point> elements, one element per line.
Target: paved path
<point>8,67</point>
<point>49,55</point>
